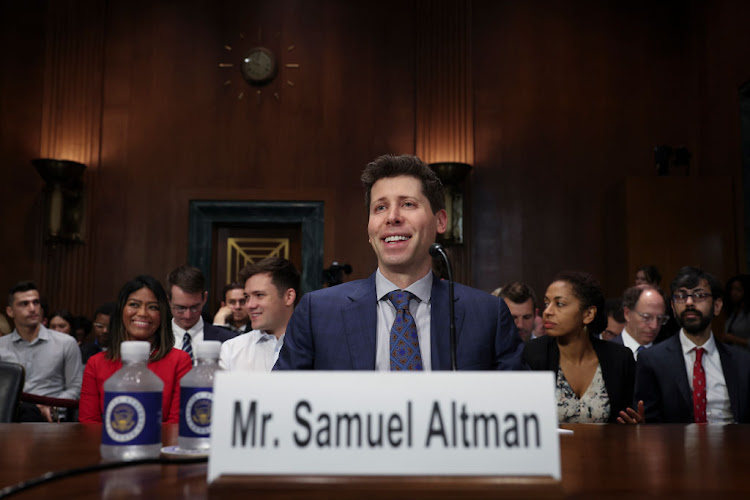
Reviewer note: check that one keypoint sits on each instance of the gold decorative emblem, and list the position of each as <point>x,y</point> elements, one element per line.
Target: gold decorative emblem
<point>244,251</point>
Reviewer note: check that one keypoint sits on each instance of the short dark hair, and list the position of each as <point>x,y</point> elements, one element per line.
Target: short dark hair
<point>393,166</point>
<point>632,295</point>
<point>587,289</point>
<point>188,278</point>
<point>107,309</point>
<point>690,277</point>
<point>66,315</point>
<point>518,292</point>
<point>163,340</point>
<point>283,274</point>
<point>21,286</point>
<point>234,285</point>
<point>613,307</point>
<point>653,276</point>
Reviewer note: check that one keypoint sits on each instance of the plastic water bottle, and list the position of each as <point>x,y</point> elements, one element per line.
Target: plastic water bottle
<point>131,427</point>
<point>196,397</point>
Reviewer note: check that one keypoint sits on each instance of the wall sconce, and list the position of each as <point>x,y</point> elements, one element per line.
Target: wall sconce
<point>65,198</point>
<point>452,174</point>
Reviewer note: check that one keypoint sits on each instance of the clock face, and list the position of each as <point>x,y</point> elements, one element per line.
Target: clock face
<point>258,66</point>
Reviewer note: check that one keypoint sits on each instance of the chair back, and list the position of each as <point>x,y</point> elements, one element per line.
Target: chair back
<point>12,376</point>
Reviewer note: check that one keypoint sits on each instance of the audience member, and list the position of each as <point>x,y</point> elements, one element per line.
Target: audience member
<point>51,359</point>
<point>100,325</point>
<point>691,377</point>
<point>348,326</point>
<point>232,314</point>
<point>594,378</point>
<point>737,311</point>
<point>81,329</point>
<point>61,321</point>
<point>521,301</point>
<point>615,319</point>
<point>141,313</point>
<point>644,315</point>
<point>186,289</point>
<point>648,275</point>
<point>272,288</point>
<point>5,328</point>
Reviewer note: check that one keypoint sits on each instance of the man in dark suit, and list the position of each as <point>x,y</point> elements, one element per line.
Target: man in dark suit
<point>186,290</point>
<point>691,376</point>
<point>398,318</point>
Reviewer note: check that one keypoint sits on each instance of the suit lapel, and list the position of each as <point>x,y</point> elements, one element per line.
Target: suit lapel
<point>440,350</point>
<point>727,367</point>
<point>676,362</point>
<point>360,325</point>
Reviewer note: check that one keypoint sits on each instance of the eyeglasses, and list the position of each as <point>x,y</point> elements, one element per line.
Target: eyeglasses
<point>183,309</point>
<point>101,326</point>
<point>681,297</point>
<point>661,319</point>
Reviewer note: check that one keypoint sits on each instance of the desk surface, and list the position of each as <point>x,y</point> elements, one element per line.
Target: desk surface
<point>613,461</point>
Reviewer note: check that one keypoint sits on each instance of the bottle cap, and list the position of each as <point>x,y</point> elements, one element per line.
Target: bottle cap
<point>207,349</point>
<point>134,350</point>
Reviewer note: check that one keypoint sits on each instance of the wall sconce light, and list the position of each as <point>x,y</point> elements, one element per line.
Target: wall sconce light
<point>65,197</point>
<point>452,175</point>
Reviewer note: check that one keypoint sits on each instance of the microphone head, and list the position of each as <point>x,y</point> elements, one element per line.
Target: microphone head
<point>436,250</point>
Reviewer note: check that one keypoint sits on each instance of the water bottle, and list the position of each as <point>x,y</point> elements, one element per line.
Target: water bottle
<point>196,396</point>
<point>131,427</point>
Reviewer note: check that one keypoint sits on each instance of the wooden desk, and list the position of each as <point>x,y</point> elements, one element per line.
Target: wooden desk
<point>598,461</point>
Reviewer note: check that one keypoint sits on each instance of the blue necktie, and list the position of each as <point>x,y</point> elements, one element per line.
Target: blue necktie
<point>187,346</point>
<point>405,353</point>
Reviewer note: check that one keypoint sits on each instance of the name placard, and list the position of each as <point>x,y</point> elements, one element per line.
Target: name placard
<point>380,423</point>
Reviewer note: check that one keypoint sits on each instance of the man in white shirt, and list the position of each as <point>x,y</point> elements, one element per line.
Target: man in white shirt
<point>692,377</point>
<point>186,290</point>
<point>271,291</point>
<point>644,315</point>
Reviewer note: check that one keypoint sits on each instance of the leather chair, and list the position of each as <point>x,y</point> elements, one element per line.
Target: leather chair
<point>12,376</point>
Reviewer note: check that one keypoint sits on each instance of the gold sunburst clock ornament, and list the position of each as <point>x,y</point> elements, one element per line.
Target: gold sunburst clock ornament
<point>258,67</point>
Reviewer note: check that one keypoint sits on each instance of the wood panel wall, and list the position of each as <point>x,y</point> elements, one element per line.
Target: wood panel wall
<point>567,99</point>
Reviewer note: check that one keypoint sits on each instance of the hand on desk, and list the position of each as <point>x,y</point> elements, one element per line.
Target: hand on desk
<point>630,416</point>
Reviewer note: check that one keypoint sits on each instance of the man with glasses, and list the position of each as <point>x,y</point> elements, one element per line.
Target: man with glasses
<point>186,290</point>
<point>692,377</point>
<point>644,315</point>
<point>101,331</point>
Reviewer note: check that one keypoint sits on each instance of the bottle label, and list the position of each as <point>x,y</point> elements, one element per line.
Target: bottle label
<point>195,411</point>
<point>132,418</point>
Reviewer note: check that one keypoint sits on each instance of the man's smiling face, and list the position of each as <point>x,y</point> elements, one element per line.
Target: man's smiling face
<point>402,226</point>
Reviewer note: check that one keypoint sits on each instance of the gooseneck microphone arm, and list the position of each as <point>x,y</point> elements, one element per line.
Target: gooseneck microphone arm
<point>437,250</point>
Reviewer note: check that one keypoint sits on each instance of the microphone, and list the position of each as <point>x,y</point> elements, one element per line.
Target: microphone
<point>437,250</point>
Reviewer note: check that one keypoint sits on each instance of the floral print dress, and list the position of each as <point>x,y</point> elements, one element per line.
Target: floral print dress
<point>591,407</point>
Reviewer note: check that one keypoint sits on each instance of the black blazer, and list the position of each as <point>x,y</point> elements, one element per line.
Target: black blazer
<point>618,367</point>
<point>662,382</point>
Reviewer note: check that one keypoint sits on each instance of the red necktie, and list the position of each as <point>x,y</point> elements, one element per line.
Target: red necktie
<point>699,387</point>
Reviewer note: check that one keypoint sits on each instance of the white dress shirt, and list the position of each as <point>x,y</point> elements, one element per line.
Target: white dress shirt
<point>632,344</point>
<point>255,351</point>
<point>718,407</point>
<point>420,308</point>
<point>196,334</point>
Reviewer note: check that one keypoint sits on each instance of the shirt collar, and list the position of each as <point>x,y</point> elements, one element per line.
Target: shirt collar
<point>688,345</point>
<point>197,327</point>
<point>422,288</point>
<point>42,335</point>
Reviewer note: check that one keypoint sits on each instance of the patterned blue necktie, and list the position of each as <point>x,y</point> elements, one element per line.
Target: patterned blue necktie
<point>187,346</point>
<point>405,353</point>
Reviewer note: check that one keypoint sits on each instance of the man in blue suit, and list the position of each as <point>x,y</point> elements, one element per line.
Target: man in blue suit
<point>358,325</point>
<point>691,376</point>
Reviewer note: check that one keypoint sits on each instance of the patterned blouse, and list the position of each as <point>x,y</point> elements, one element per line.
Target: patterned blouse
<point>592,407</point>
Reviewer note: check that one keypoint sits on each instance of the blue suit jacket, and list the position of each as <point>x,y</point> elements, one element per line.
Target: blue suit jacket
<point>335,329</point>
<point>212,332</point>
<point>661,382</point>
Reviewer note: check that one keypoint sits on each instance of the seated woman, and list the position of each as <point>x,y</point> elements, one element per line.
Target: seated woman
<point>595,378</point>
<point>142,313</point>
<point>61,321</point>
<point>737,310</point>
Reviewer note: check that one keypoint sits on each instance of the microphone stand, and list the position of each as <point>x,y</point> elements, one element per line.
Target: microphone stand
<point>436,249</point>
